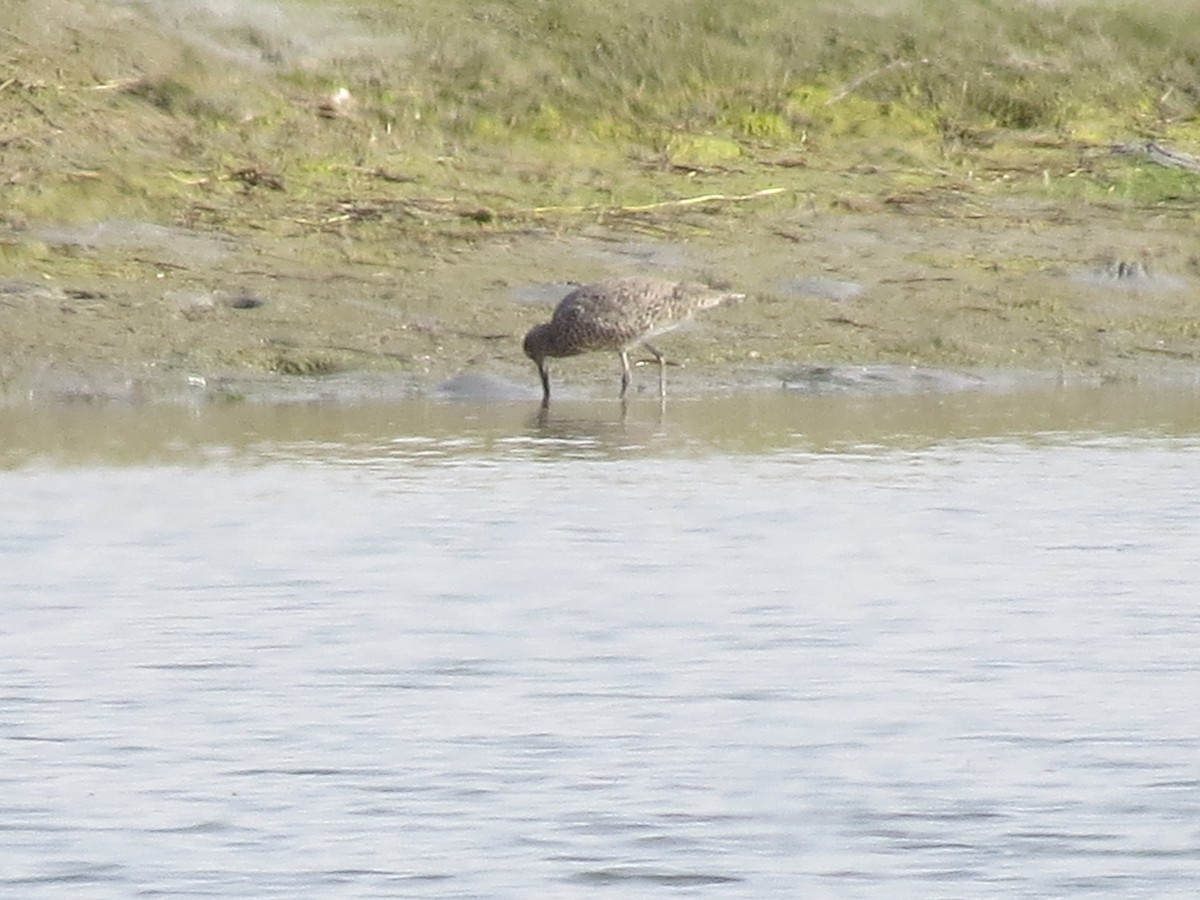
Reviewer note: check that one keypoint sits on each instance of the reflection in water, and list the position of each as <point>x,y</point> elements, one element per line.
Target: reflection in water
<point>766,646</point>
<point>763,422</point>
<point>597,429</point>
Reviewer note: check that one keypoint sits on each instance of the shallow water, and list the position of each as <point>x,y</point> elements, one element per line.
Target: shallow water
<point>770,645</point>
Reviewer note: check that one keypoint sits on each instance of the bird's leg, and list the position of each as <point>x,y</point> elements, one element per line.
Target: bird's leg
<point>625,376</point>
<point>662,369</point>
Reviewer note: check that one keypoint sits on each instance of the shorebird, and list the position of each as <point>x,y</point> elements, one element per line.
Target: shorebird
<point>618,314</point>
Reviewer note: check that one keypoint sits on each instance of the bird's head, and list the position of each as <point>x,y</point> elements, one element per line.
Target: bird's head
<point>535,343</point>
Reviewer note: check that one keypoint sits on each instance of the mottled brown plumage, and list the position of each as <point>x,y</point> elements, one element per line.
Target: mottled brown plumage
<point>618,314</point>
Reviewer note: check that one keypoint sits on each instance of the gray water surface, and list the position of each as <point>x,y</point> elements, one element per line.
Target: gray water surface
<point>765,646</point>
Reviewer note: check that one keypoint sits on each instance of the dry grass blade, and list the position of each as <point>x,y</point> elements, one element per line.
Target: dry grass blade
<point>665,204</point>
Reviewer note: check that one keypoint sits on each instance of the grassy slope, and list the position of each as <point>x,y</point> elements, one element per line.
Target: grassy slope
<point>510,106</point>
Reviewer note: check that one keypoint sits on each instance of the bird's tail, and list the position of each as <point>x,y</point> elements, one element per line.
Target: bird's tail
<point>702,296</point>
<point>722,298</point>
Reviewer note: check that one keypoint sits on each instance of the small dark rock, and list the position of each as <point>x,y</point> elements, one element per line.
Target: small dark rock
<point>245,300</point>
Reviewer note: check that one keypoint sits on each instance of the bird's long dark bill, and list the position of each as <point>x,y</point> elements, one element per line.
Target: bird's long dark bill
<point>545,383</point>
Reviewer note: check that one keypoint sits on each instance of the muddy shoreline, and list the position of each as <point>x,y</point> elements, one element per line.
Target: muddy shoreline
<point>136,312</point>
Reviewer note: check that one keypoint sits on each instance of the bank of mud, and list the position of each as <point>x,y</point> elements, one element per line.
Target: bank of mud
<point>129,311</point>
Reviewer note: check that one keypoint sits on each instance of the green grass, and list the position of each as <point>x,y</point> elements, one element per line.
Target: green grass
<point>697,65</point>
<point>516,98</point>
